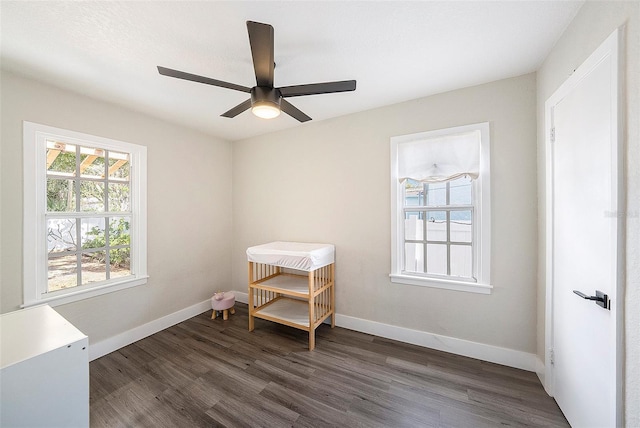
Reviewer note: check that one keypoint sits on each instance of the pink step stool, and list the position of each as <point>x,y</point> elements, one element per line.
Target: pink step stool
<point>223,301</point>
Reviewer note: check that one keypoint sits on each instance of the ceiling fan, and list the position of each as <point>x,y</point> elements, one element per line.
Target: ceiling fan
<point>266,101</point>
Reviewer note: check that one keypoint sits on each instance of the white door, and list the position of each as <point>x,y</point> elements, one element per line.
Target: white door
<point>583,162</point>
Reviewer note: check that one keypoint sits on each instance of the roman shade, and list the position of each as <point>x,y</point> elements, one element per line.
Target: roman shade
<point>440,159</point>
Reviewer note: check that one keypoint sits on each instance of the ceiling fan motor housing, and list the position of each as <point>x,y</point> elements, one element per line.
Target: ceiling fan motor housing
<point>261,95</point>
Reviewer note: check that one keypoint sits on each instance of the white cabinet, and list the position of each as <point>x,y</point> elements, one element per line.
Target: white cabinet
<point>44,380</point>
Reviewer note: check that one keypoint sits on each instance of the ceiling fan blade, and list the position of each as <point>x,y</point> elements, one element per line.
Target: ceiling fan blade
<point>318,88</point>
<point>292,111</point>
<point>261,41</point>
<point>201,79</point>
<point>245,105</point>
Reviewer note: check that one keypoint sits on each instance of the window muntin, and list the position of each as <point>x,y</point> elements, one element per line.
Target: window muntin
<point>438,222</point>
<point>84,215</point>
<point>440,209</point>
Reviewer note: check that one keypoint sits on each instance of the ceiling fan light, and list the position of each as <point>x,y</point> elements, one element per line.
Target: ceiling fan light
<point>265,110</point>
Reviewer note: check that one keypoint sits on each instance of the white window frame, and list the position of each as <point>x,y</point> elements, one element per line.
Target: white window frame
<point>34,216</point>
<point>481,217</point>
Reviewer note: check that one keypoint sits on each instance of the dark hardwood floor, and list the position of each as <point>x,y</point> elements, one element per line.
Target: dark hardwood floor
<point>205,372</point>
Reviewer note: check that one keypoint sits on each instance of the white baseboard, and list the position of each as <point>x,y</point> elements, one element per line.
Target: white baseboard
<point>481,351</point>
<point>541,372</point>
<point>242,297</point>
<point>540,369</point>
<point>114,343</point>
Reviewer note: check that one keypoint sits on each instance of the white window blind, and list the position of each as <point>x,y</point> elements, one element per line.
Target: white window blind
<point>440,159</point>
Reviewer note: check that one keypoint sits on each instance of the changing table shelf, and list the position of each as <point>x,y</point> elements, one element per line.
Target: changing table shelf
<point>289,284</point>
<point>303,299</point>
<point>292,312</point>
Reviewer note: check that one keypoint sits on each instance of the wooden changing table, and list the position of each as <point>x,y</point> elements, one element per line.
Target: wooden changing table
<point>292,283</point>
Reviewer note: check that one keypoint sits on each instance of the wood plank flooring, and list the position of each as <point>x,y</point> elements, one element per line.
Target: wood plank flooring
<point>214,373</point>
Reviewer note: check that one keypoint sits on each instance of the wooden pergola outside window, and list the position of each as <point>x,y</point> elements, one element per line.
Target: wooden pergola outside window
<point>55,148</point>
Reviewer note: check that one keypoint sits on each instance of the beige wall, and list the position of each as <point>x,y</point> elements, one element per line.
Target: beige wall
<point>329,182</point>
<point>189,206</point>
<point>593,24</point>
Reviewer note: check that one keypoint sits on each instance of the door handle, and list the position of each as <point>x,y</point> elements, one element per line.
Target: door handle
<point>600,298</point>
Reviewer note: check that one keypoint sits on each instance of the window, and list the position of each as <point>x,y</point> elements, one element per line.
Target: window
<point>441,209</point>
<point>84,215</point>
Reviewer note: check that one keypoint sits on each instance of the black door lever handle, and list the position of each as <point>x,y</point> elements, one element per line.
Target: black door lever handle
<point>600,298</point>
<point>584,296</point>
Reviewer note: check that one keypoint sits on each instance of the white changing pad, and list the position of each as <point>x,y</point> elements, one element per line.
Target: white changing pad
<point>293,255</point>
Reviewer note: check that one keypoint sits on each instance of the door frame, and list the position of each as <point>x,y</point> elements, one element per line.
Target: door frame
<point>612,47</point>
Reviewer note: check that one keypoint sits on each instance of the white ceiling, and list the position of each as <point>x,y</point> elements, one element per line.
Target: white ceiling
<point>396,51</point>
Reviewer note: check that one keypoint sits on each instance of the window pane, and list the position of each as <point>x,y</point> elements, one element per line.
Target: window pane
<point>118,166</point>
<point>437,259</point>
<point>460,191</point>
<point>59,161</point>
<point>460,226</point>
<point>94,267</point>
<point>436,194</point>
<point>92,162</point>
<point>119,231</point>
<point>61,235</point>
<point>92,233</point>
<point>414,258</point>
<point>119,197</point>
<point>61,195</point>
<point>120,260</point>
<point>413,225</point>
<point>413,193</point>
<point>62,272</point>
<point>91,196</point>
<point>437,226</point>
<point>461,261</point>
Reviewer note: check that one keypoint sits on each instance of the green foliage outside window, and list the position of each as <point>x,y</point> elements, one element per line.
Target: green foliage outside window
<point>118,235</point>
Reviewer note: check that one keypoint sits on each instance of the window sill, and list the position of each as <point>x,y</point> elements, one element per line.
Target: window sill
<point>469,287</point>
<point>87,293</point>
